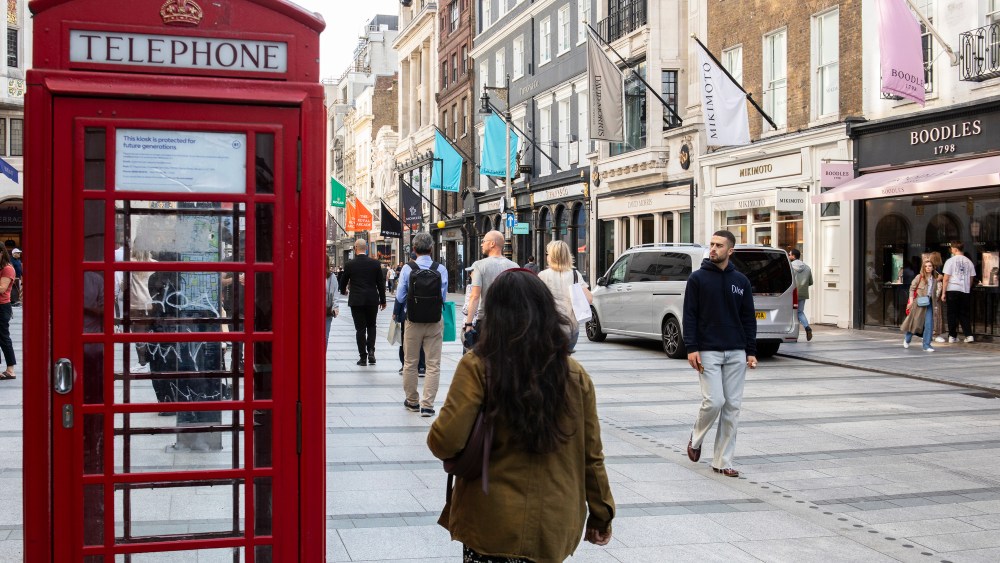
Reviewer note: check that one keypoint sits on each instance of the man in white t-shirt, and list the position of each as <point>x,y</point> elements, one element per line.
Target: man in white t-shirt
<point>957,283</point>
<point>483,273</point>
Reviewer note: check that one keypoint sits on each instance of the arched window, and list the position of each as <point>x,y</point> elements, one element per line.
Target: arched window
<point>544,231</point>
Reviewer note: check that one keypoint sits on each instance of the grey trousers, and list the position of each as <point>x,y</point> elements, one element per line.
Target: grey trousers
<point>721,397</point>
<point>428,335</point>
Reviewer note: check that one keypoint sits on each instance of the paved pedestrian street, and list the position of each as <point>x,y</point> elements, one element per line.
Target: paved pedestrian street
<point>838,463</point>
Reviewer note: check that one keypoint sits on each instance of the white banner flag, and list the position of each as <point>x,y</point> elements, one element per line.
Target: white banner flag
<point>607,91</point>
<point>724,105</point>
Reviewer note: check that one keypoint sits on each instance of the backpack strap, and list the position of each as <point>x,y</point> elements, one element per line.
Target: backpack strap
<point>434,266</point>
<point>576,276</point>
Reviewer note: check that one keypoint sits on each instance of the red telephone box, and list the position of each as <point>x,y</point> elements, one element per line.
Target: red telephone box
<point>175,374</point>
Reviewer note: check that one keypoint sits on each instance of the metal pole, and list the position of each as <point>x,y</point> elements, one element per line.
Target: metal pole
<point>508,248</point>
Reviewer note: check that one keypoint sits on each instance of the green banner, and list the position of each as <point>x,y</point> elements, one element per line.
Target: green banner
<point>338,193</point>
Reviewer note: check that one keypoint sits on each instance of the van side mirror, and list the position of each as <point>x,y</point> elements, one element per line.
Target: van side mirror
<point>602,281</point>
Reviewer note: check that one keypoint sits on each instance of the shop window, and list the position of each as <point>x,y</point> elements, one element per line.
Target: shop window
<point>626,232</point>
<point>790,233</point>
<point>635,113</point>
<point>668,227</point>
<point>646,235</point>
<point>685,224</point>
<point>736,223</point>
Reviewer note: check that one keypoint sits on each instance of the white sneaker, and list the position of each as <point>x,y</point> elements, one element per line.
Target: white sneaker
<point>952,340</point>
<point>905,344</point>
<point>969,339</point>
<point>928,349</point>
<point>939,339</point>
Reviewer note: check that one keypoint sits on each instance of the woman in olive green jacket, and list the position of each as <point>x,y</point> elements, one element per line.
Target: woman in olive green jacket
<point>546,469</point>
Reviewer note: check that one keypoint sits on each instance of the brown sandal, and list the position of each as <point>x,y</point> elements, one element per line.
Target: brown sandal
<point>730,472</point>
<point>8,375</point>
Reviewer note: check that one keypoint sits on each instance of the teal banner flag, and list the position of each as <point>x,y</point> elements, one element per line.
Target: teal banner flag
<point>338,193</point>
<point>446,172</point>
<point>493,146</point>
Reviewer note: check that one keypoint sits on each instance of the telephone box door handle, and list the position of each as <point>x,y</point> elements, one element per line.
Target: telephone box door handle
<point>63,376</point>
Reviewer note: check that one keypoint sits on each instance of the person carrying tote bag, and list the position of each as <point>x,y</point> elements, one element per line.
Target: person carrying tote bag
<point>925,295</point>
<point>560,277</point>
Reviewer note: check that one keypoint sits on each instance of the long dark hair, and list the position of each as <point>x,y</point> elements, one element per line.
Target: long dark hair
<point>525,348</point>
<point>4,256</point>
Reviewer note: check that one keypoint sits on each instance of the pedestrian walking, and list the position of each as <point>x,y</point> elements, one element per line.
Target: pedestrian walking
<point>803,279</point>
<point>332,289</point>
<point>720,333</point>
<point>483,273</point>
<point>958,274</point>
<point>7,277</point>
<point>560,277</point>
<point>423,287</point>
<point>545,459</point>
<point>531,264</point>
<point>925,292</point>
<point>391,279</point>
<point>15,294</point>
<point>364,285</point>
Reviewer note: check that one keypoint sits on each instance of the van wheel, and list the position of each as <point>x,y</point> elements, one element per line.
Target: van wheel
<point>594,333</point>
<point>673,344</point>
<point>767,349</point>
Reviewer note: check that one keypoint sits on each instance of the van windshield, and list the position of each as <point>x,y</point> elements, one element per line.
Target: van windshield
<point>768,270</point>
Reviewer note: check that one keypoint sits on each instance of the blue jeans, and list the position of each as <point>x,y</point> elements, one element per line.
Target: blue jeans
<point>802,313</point>
<point>928,327</point>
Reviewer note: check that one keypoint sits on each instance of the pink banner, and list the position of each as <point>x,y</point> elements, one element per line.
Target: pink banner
<point>902,50</point>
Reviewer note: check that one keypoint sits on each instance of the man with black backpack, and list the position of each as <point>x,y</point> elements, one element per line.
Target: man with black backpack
<point>423,287</point>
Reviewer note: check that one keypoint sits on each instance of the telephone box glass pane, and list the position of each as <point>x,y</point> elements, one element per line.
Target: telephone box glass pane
<point>159,302</point>
<point>149,160</point>
<point>261,371</point>
<point>171,231</point>
<point>263,300</point>
<point>178,511</point>
<point>152,442</point>
<point>93,230</point>
<point>265,163</point>
<point>263,427</point>
<point>222,555</point>
<point>170,372</point>
<point>265,232</point>
<point>93,373</point>
<point>93,515</point>
<point>262,507</point>
<point>94,158</point>
<point>93,444</point>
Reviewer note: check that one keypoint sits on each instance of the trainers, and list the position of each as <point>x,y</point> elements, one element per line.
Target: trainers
<point>969,339</point>
<point>952,340</point>
<point>809,334</point>
<point>939,339</point>
<point>426,412</point>
<point>905,344</point>
<point>412,407</point>
<point>928,349</point>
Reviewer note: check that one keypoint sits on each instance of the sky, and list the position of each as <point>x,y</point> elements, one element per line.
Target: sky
<point>344,21</point>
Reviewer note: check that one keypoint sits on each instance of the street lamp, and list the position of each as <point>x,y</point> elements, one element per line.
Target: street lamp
<point>486,109</point>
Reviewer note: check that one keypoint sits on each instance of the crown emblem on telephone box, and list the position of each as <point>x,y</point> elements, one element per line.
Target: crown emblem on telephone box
<point>181,12</point>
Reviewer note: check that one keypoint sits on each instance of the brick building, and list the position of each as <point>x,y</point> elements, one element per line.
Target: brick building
<point>802,61</point>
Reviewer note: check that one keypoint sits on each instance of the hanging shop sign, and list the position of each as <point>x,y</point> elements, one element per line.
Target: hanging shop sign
<point>833,174</point>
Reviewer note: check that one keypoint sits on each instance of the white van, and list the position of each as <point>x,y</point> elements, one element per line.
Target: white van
<point>642,294</point>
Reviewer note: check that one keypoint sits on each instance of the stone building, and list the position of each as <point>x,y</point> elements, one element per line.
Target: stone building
<point>17,50</point>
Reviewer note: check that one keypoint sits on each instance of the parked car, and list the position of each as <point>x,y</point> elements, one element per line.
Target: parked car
<point>642,294</point>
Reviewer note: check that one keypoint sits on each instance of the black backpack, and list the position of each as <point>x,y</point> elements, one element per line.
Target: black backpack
<point>423,295</point>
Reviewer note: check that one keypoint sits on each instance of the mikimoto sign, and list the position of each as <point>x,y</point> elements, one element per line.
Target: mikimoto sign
<point>177,52</point>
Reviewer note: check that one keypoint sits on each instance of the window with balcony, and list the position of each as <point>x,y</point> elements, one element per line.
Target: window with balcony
<point>635,113</point>
<point>776,77</point>
<point>624,17</point>
<point>517,53</point>
<point>826,70</point>
<point>582,19</point>
<point>668,88</point>
<point>562,19</point>
<point>544,41</point>
<point>732,61</point>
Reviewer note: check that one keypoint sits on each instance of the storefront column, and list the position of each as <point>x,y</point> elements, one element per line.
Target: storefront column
<point>658,227</point>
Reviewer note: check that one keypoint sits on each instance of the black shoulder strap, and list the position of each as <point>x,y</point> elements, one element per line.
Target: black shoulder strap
<point>576,276</point>
<point>413,266</point>
<point>434,266</point>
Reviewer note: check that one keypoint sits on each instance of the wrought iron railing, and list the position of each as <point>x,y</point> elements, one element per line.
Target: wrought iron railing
<point>626,17</point>
<point>979,53</point>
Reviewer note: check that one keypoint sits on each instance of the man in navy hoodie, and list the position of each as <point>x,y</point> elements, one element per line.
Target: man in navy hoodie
<point>720,333</point>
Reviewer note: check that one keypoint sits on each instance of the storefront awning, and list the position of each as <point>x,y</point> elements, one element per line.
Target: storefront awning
<point>973,173</point>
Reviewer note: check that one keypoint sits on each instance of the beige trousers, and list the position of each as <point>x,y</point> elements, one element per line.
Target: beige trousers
<point>428,335</point>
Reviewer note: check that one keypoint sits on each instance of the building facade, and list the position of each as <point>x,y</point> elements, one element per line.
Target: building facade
<point>17,51</point>
<point>802,62</point>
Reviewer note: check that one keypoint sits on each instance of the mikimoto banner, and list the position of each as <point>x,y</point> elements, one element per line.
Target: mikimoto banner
<point>902,51</point>
<point>607,87</point>
<point>724,105</point>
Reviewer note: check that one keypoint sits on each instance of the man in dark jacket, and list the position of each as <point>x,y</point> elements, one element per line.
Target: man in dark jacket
<point>364,284</point>
<point>720,333</point>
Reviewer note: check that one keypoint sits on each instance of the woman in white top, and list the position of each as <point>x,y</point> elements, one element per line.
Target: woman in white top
<point>560,277</point>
